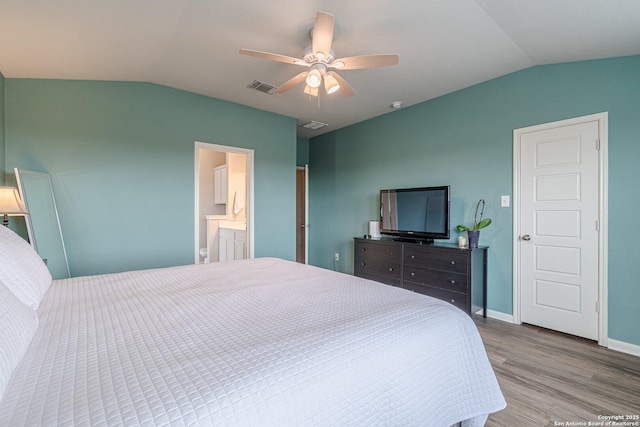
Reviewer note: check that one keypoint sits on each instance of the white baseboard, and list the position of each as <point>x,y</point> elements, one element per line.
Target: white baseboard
<point>498,315</point>
<point>623,347</point>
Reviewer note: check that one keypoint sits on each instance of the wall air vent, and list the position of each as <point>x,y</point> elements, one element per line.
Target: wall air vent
<point>313,125</point>
<point>262,87</point>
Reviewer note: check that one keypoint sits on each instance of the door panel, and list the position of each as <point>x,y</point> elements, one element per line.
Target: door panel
<point>562,296</point>
<point>559,191</point>
<point>558,223</point>
<point>301,215</point>
<point>557,187</point>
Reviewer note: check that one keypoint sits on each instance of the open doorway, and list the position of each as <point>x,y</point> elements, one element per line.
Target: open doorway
<point>223,203</point>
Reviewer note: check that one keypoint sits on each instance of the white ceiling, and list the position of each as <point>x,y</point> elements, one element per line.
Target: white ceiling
<point>444,45</point>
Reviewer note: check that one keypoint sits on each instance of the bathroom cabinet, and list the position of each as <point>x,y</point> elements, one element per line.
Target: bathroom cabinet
<point>221,185</point>
<point>232,244</point>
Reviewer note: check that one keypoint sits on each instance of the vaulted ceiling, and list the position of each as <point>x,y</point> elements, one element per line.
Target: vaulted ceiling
<point>444,45</point>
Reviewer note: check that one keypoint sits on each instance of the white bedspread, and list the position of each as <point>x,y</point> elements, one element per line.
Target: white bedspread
<point>261,342</point>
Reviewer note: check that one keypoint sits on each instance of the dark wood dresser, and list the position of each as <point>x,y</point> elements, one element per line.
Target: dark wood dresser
<point>444,271</point>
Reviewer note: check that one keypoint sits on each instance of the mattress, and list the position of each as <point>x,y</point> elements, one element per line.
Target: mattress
<point>261,342</point>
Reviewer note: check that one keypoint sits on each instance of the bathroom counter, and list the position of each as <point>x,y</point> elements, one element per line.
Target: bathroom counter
<point>233,225</point>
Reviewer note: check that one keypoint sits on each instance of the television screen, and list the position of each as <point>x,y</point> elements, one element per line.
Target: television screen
<point>421,213</point>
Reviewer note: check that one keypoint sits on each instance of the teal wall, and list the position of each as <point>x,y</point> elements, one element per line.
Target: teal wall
<point>302,151</point>
<point>465,139</point>
<point>121,157</point>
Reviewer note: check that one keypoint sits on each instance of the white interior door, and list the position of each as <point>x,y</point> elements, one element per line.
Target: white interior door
<point>559,227</point>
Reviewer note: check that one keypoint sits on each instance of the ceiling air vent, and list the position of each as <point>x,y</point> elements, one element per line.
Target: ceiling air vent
<point>313,125</point>
<point>262,87</point>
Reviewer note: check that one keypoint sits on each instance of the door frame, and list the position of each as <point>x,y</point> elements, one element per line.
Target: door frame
<point>305,168</point>
<point>250,191</point>
<point>602,119</point>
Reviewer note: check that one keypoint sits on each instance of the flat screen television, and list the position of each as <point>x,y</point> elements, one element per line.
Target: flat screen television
<point>415,213</point>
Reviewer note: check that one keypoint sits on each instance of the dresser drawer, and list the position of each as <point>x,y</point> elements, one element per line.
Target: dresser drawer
<point>373,252</point>
<point>459,300</point>
<point>384,268</point>
<point>393,281</point>
<point>378,261</point>
<point>438,278</point>
<point>437,260</point>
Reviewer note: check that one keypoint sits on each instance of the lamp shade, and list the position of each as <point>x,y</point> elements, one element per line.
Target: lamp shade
<point>314,78</point>
<point>331,85</point>
<point>10,202</point>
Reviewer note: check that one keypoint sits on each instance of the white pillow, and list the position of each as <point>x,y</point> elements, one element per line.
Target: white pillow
<point>22,270</point>
<point>18,324</point>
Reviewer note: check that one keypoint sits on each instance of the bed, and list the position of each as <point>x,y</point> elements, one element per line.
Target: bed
<point>259,342</point>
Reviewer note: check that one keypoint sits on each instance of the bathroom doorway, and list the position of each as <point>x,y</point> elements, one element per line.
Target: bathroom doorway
<point>223,203</point>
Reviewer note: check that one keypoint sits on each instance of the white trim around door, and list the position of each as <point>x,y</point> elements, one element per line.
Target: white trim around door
<point>602,119</point>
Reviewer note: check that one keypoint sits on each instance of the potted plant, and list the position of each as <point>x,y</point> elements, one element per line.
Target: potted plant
<point>479,223</point>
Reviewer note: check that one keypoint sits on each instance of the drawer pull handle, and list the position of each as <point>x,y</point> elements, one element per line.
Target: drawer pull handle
<point>364,249</point>
<point>453,300</point>
<point>453,263</point>
<point>363,263</point>
<point>453,282</point>
<point>413,257</point>
<point>390,268</point>
<point>413,274</point>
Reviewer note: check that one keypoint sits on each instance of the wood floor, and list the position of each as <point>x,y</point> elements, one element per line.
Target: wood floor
<point>553,379</point>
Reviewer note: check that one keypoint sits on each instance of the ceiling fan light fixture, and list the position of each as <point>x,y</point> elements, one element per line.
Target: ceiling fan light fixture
<point>331,85</point>
<point>314,78</point>
<point>313,91</point>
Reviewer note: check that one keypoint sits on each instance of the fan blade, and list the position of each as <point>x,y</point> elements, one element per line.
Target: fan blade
<point>322,37</point>
<point>274,57</point>
<point>292,82</point>
<point>364,61</point>
<point>345,89</point>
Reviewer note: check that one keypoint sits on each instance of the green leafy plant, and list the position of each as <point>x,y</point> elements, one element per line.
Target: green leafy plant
<point>478,221</point>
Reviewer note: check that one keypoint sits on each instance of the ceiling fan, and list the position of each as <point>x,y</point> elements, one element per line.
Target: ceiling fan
<point>320,60</point>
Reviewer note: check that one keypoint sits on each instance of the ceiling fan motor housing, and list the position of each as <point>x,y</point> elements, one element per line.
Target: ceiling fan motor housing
<point>310,56</point>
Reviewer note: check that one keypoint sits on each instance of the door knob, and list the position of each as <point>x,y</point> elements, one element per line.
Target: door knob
<point>526,237</point>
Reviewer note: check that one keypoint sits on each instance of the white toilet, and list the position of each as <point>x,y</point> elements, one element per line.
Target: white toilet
<point>203,254</point>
